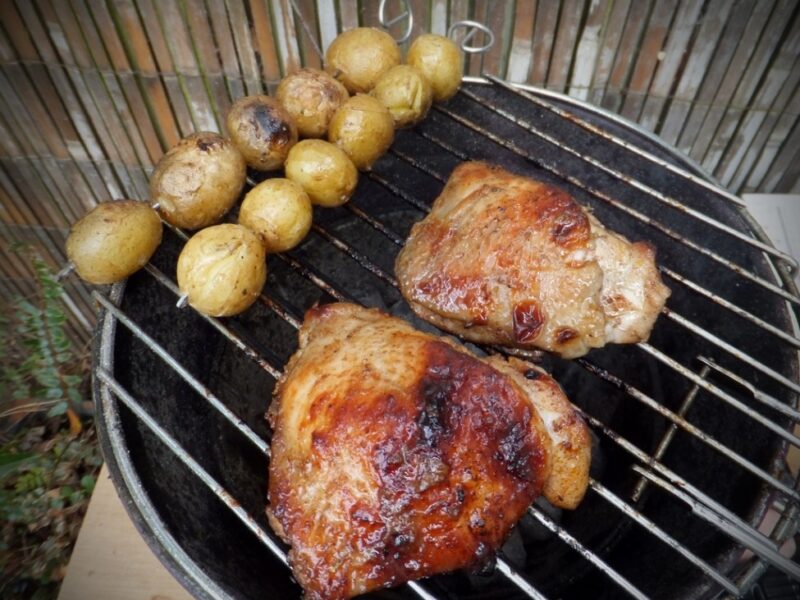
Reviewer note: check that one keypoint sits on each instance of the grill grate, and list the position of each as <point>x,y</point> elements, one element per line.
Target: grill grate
<point>650,469</point>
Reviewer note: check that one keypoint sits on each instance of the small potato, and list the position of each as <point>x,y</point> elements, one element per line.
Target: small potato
<point>198,180</point>
<point>113,240</point>
<point>222,269</point>
<point>262,130</point>
<point>363,128</point>
<point>439,60</point>
<point>279,211</point>
<point>326,173</point>
<point>360,56</point>
<point>311,96</point>
<point>406,93</point>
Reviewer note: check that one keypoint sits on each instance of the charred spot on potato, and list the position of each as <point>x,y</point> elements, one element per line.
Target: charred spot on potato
<point>270,125</point>
<point>208,144</point>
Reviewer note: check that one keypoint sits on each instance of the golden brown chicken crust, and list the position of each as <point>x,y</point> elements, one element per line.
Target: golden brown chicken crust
<point>396,455</point>
<point>509,260</point>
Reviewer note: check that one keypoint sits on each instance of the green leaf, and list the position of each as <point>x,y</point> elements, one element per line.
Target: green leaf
<point>10,462</point>
<point>88,482</point>
<point>57,410</point>
<point>74,395</point>
<point>54,393</point>
<point>64,357</point>
<point>73,380</point>
<point>66,491</point>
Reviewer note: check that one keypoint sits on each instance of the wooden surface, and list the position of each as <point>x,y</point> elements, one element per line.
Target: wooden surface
<point>111,560</point>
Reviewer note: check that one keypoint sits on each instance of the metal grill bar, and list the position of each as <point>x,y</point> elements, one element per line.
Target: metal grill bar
<point>669,434</point>
<point>612,498</point>
<point>573,543</point>
<point>786,337</point>
<point>615,203</point>
<point>721,394</point>
<point>180,370</point>
<point>750,538</point>
<point>758,395</point>
<point>519,580</point>
<point>731,350</point>
<point>226,331</point>
<point>775,558</point>
<point>192,464</point>
<point>652,192</point>
<point>689,428</point>
<point>311,275</point>
<point>573,118</point>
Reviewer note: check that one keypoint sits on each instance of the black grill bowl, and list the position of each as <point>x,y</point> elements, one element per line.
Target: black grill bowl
<point>215,554</point>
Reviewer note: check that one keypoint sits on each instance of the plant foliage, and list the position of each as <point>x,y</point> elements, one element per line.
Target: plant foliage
<point>48,456</point>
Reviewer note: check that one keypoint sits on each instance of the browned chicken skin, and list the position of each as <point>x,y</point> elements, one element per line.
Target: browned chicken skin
<point>397,454</point>
<point>509,260</point>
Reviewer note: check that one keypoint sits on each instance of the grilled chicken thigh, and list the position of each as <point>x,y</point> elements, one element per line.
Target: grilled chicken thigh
<point>397,454</point>
<point>509,260</point>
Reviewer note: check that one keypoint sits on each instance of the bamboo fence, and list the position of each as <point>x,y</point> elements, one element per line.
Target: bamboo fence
<point>93,92</point>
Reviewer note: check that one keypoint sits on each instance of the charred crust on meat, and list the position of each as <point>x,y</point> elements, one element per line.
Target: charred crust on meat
<point>565,334</point>
<point>528,321</point>
<point>532,374</point>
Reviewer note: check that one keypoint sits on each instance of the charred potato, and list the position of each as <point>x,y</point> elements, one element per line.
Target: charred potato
<point>439,60</point>
<point>222,269</point>
<point>279,211</point>
<point>324,171</point>
<point>198,180</point>
<point>360,56</point>
<point>363,128</point>
<point>406,93</point>
<point>311,96</point>
<point>113,240</point>
<point>262,130</point>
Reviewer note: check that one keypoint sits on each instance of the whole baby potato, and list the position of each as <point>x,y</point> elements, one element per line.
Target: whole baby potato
<point>262,130</point>
<point>113,240</point>
<point>198,180</point>
<point>363,128</point>
<point>279,211</point>
<point>311,96</point>
<point>360,56</point>
<point>222,269</point>
<point>324,171</point>
<point>439,60</point>
<point>406,93</point>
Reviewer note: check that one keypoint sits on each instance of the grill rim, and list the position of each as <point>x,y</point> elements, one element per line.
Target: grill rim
<point>190,575</point>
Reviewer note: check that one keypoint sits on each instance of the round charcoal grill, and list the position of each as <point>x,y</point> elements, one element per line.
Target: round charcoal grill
<point>690,429</point>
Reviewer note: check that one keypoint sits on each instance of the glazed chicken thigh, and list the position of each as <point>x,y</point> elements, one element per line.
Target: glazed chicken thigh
<point>503,259</point>
<point>398,455</point>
